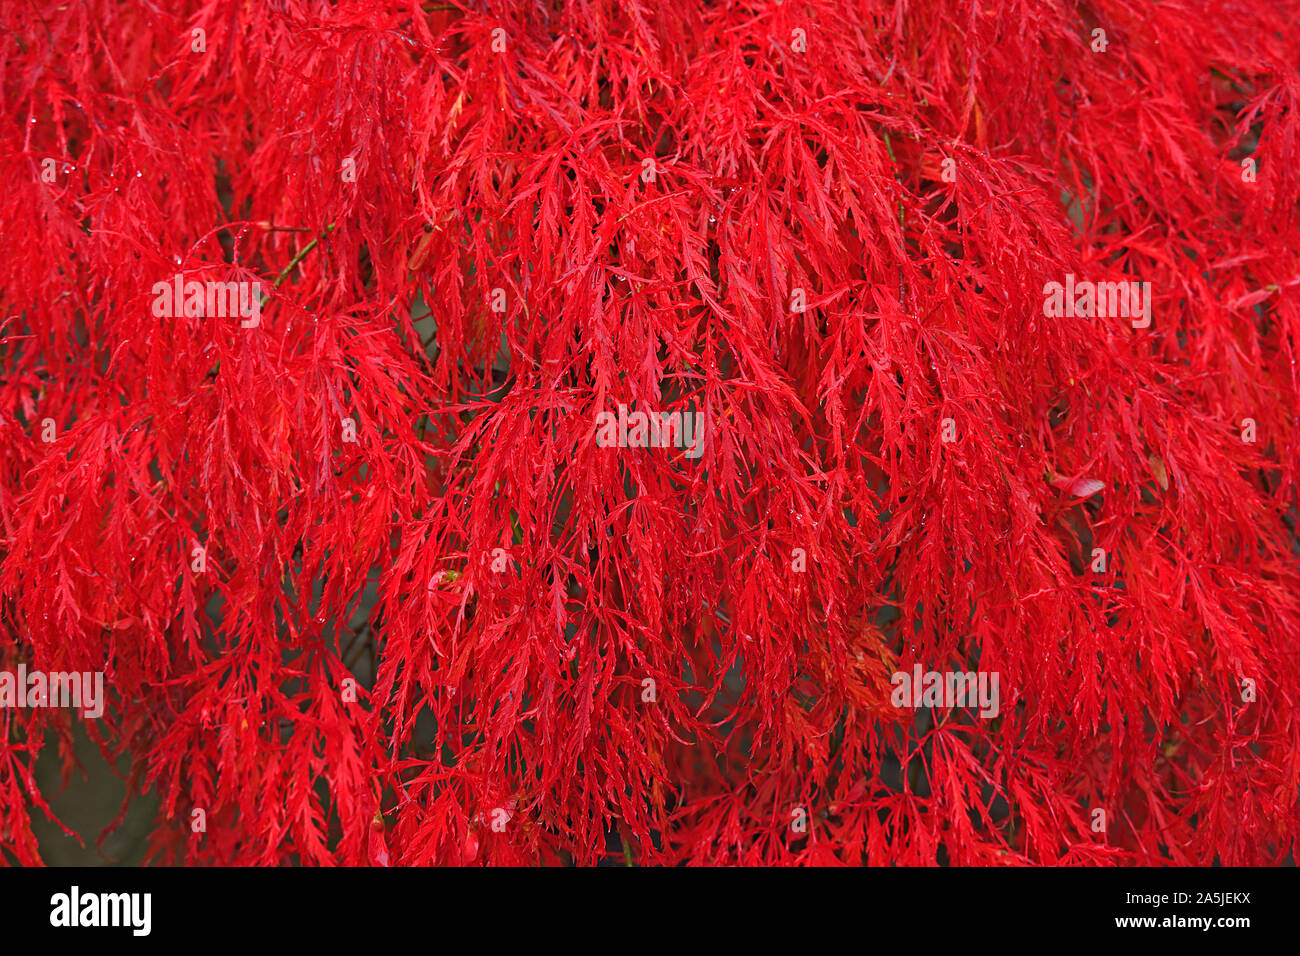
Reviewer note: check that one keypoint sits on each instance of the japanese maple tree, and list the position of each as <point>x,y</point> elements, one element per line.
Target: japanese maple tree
<point>366,588</point>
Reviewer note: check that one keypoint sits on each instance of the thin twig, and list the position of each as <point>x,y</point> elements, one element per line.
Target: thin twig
<point>302,253</point>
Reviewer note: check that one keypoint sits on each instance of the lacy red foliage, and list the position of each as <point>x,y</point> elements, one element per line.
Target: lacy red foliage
<point>367,589</point>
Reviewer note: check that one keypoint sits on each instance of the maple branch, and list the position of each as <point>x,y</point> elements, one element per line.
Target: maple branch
<point>301,254</point>
<point>357,645</point>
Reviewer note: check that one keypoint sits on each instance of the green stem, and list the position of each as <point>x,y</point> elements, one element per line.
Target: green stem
<point>301,254</point>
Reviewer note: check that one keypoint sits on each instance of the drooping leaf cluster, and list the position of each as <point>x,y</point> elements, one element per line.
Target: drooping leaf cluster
<point>364,586</point>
